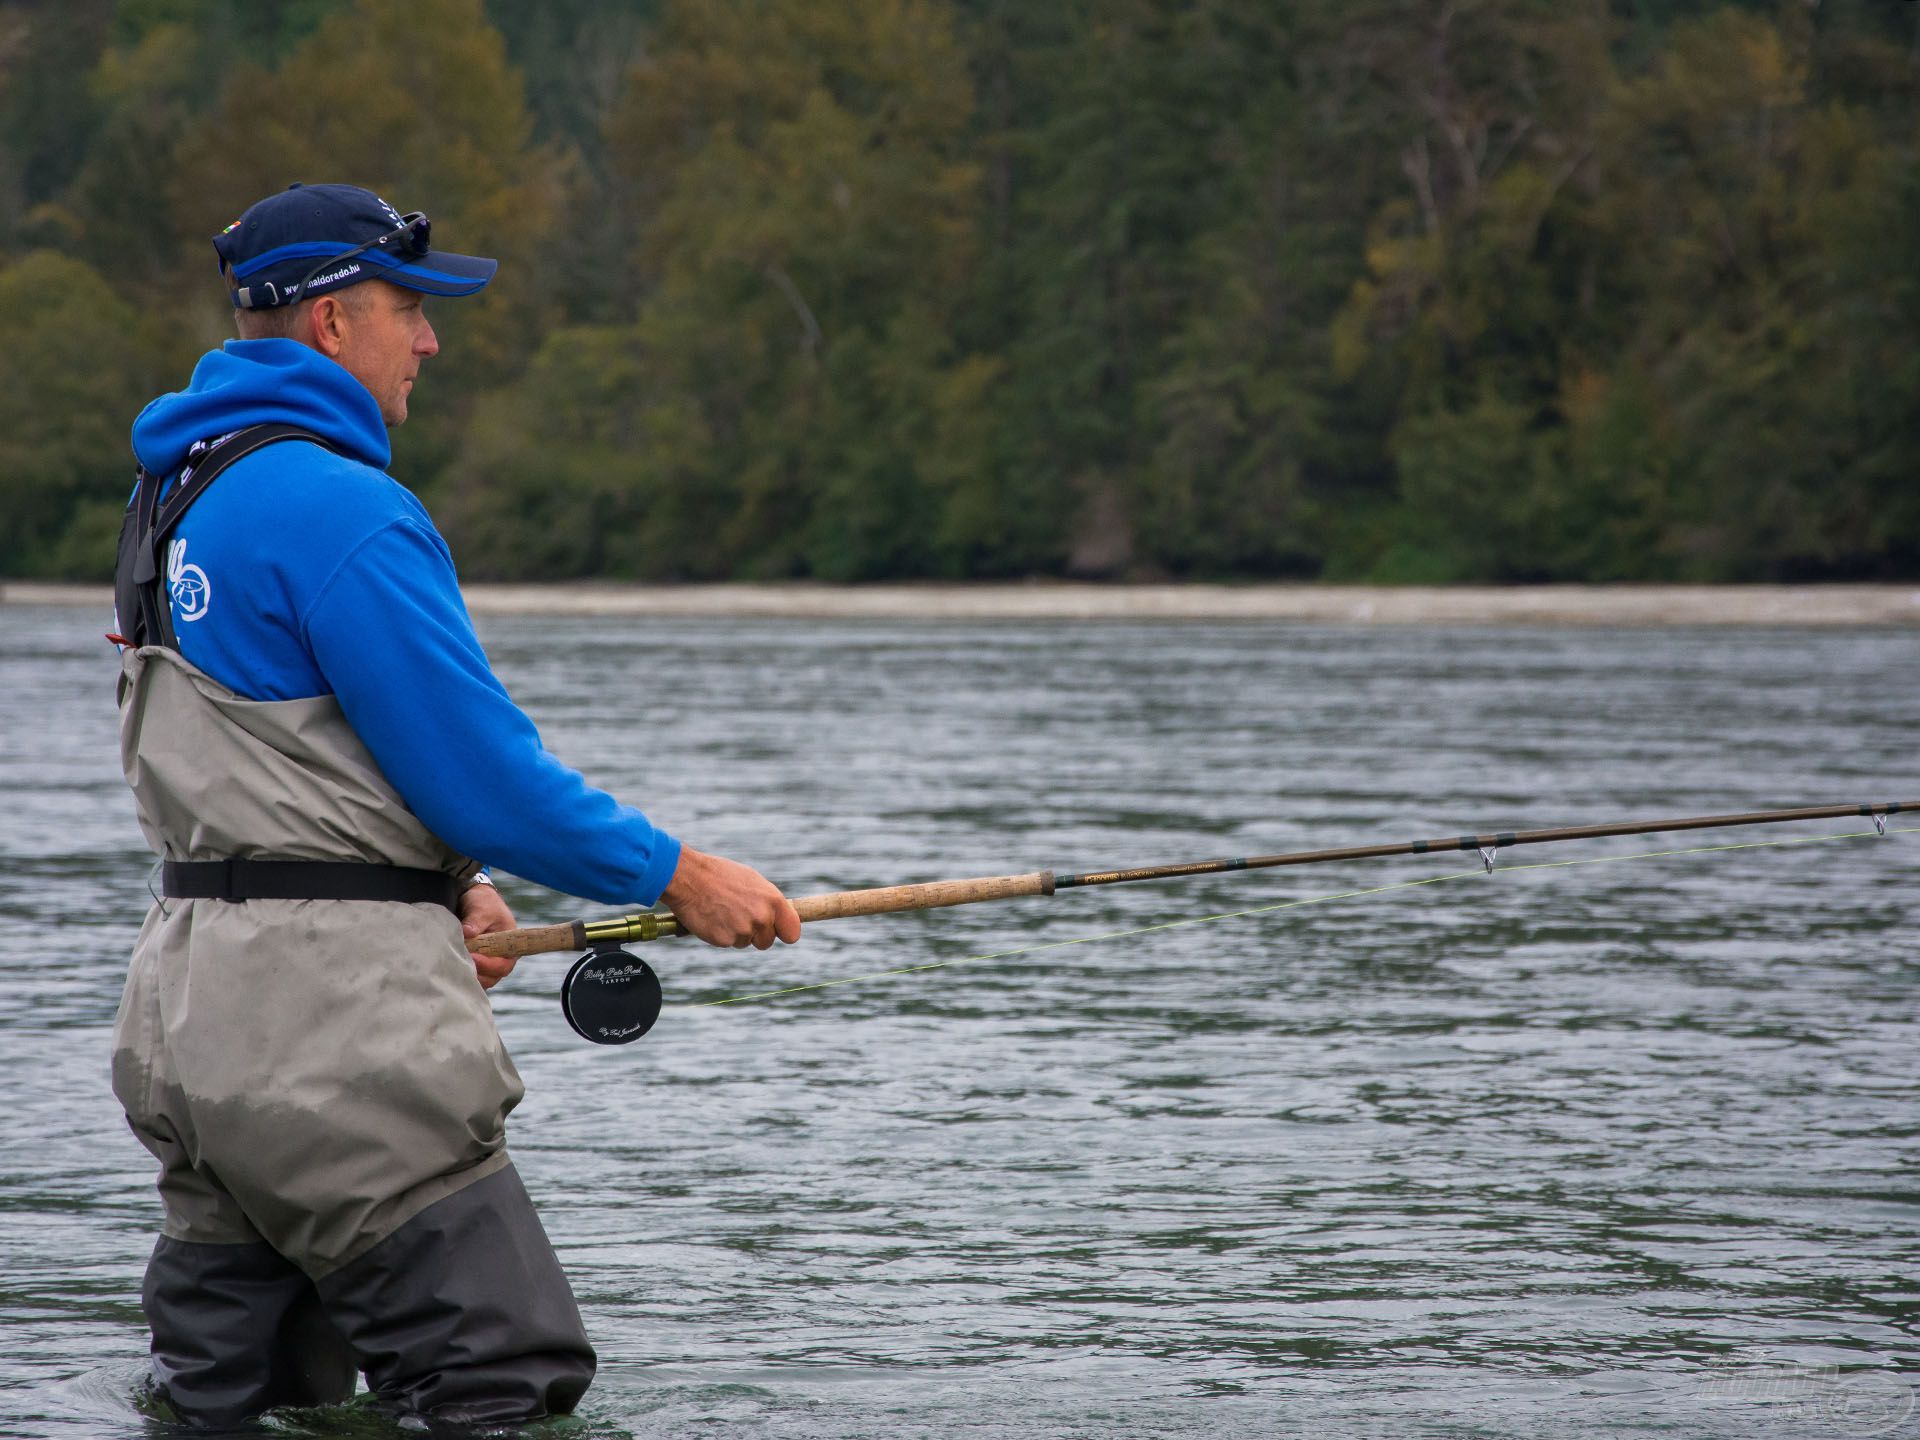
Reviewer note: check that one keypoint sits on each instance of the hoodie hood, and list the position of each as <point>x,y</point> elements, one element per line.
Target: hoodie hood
<point>262,382</point>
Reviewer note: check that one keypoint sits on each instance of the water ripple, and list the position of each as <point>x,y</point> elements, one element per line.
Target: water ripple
<point>1623,1149</point>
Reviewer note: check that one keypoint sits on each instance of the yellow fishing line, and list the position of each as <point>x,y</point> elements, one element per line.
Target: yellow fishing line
<point>1295,904</point>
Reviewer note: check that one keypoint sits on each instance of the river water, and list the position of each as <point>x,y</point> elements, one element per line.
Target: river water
<point>1611,1149</point>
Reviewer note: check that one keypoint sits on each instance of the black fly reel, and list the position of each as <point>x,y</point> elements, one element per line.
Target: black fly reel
<point>610,996</point>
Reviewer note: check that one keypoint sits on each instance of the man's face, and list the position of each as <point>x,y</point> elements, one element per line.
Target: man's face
<point>383,337</point>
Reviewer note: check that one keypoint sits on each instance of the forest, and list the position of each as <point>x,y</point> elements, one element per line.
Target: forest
<point>1381,291</point>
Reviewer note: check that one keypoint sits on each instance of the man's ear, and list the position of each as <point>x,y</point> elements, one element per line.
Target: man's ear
<point>327,322</point>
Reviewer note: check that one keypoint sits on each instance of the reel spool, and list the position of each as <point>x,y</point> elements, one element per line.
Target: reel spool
<point>610,996</point>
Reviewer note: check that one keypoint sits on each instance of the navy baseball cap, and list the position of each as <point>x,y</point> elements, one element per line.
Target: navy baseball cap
<point>312,239</point>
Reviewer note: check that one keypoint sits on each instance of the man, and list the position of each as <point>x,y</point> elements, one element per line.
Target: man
<point>320,752</point>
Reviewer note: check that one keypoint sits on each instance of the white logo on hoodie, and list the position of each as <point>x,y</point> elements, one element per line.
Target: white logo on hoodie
<point>187,584</point>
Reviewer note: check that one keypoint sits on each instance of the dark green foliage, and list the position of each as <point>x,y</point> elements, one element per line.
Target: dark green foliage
<point>72,376</point>
<point>1354,289</point>
<point>46,118</point>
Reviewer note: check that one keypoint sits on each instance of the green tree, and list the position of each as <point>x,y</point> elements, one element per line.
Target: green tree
<point>164,68</point>
<point>1119,178</point>
<point>808,224</point>
<point>1254,449</point>
<point>47,116</point>
<point>1751,221</point>
<point>419,104</point>
<point>1390,289</point>
<point>1651,329</point>
<point>69,385</point>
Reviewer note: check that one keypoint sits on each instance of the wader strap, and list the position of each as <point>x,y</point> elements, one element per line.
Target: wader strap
<point>140,570</point>
<point>306,880</point>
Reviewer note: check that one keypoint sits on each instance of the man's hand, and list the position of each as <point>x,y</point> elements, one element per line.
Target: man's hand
<point>727,903</point>
<point>482,912</point>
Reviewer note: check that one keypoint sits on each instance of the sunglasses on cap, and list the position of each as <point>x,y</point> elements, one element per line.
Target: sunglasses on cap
<point>410,239</point>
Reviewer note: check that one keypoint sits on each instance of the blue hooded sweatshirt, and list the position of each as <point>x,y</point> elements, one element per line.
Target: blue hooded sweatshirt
<point>303,572</point>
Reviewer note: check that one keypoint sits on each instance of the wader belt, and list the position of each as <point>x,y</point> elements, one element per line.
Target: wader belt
<point>306,880</point>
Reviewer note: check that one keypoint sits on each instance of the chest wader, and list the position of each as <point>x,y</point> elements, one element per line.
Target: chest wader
<point>303,1045</point>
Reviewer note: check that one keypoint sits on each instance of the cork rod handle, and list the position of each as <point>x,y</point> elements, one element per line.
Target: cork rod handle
<point>930,896</point>
<point>536,940</point>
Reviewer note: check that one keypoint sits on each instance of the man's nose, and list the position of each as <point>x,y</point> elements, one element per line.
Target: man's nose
<point>426,344</point>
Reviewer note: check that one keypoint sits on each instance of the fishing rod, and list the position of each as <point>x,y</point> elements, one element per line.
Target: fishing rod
<point>612,996</point>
